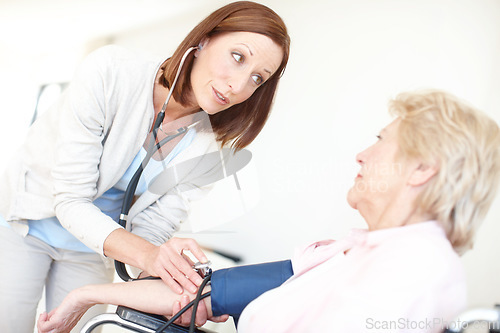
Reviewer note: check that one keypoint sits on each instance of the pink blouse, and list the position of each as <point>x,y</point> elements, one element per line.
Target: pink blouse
<point>403,279</point>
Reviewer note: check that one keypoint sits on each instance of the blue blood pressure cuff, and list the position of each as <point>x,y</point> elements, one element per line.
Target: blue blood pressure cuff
<point>234,288</point>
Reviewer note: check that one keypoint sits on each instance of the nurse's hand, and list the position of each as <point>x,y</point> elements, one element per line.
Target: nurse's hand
<point>171,264</point>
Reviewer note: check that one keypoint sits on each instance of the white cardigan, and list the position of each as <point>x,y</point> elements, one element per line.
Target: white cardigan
<point>81,147</point>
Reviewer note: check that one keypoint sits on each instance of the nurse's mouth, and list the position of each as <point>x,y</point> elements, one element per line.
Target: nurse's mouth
<point>221,99</point>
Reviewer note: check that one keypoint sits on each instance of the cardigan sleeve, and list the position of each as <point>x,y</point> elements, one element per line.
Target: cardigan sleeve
<point>81,133</point>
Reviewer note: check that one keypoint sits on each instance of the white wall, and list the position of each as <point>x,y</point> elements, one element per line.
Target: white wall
<point>348,58</point>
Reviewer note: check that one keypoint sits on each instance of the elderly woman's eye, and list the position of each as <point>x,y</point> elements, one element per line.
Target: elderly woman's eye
<point>238,57</point>
<point>257,79</point>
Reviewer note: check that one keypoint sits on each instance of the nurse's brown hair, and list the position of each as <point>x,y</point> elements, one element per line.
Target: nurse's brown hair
<point>241,123</point>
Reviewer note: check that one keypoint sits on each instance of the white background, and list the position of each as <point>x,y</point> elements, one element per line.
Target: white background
<point>347,59</point>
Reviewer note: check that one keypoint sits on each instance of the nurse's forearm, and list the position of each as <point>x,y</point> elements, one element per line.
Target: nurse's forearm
<point>128,248</point>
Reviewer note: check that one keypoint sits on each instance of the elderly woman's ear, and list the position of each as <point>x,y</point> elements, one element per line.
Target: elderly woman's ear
<point>422,174</point>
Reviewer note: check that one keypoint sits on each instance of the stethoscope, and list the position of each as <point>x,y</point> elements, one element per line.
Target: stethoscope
<point>152,148</point>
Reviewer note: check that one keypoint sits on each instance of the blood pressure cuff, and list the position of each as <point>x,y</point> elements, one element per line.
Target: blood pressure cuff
<point>234,288</point>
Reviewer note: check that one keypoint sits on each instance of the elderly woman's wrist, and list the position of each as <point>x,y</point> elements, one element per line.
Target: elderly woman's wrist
<point>84,297</point>
<point>208,301</point>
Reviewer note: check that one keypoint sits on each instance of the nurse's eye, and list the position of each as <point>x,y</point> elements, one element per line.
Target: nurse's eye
<point>238,57</point>
<point>257,79</point>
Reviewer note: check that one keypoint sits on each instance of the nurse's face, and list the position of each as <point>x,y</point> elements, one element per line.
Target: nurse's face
<point>230,67</point>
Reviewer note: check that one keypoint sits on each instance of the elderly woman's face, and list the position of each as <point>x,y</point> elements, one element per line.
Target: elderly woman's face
<point>230,67</point>
<point>382,177</point>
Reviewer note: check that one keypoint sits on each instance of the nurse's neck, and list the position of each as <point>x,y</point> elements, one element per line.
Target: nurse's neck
<point>174,110</point>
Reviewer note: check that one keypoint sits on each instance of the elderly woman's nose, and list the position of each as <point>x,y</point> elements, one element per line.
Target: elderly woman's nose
<point>360,158</point>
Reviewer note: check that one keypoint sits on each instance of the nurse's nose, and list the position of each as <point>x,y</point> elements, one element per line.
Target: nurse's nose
<point>238,83</point>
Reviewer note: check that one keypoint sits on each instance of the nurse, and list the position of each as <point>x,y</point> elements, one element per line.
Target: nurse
<point>61,194</point>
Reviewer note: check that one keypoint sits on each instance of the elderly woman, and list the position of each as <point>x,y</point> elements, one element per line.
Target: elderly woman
<point>403,273</point>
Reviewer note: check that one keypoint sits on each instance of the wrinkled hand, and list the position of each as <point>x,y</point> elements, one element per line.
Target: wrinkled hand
<point>202,314</point>
<point>171,264</point>
<point>63,318</point>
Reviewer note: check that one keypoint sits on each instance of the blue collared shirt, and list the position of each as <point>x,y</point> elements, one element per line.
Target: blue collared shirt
<point>53,233</point>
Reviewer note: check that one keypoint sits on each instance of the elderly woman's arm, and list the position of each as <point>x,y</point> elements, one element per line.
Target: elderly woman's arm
<point>151,296</point>
<point>231,291</point>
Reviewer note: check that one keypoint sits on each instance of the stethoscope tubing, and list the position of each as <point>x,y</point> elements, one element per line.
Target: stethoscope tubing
<point>153,147</point>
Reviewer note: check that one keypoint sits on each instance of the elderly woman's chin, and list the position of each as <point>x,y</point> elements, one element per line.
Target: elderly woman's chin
<point>352,198</point>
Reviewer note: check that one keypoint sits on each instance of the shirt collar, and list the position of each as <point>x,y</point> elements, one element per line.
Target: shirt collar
<point>376,237</point>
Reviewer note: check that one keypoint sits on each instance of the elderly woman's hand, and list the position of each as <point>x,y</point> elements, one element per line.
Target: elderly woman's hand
<point>175,268</point>
<point>63,318</point>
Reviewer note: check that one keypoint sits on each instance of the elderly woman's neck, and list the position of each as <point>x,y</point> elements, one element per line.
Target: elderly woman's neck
<point>392,218</point>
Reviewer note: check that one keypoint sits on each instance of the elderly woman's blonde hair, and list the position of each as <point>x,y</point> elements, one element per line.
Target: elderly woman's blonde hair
<point>464,145</point>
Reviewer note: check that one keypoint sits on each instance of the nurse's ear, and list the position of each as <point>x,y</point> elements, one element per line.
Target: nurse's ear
<point>201,45</point>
